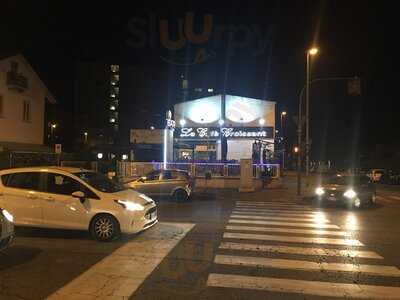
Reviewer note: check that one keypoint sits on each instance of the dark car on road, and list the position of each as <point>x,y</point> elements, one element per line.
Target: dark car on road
<point>353,191</point>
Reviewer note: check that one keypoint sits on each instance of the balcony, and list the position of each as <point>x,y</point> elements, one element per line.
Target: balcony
<point>16,82</point>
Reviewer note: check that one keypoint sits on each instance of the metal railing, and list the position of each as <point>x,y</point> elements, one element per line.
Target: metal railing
<point>231,170</point>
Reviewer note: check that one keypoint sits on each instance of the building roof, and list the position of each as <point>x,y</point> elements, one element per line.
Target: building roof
<point>20,57</point>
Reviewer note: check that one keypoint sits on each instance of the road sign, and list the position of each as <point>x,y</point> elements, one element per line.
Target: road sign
<point>57,148</point>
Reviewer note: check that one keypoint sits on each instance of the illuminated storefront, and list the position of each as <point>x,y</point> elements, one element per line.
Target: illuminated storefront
<point>224,127</point>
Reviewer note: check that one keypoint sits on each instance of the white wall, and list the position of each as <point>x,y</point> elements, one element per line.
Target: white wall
<point>12,127</point>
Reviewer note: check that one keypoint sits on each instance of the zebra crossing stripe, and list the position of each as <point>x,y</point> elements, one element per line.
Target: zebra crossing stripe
<point>289,230</point>
<point>267,213</point>
<point>273,211</point>
<point>273,206</point>
<point>316,219</point>
<point>292,239</point>
<point>288,224</point>
<point>299,250</point>
<point>317,288</point>
<point>303,265</point>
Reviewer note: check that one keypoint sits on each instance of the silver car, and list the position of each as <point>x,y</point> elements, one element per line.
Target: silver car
<point>177,184</point>
<point>6,228</point>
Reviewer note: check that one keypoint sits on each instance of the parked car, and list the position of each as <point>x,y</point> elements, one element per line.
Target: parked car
<point>352,191</point>
<point>177,184</point>
<point>73,198</point>
<point>376,174</point>
<point>6,228</point>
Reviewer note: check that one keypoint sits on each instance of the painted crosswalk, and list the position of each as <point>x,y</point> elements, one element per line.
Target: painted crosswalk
<point>289,224</point>
<point>256,230</point>
<point>292,219</point>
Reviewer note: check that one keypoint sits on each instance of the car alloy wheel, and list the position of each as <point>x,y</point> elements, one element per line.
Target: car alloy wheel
<point>105,228</point>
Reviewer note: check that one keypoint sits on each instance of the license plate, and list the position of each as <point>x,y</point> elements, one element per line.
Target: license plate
<point>331,198</point>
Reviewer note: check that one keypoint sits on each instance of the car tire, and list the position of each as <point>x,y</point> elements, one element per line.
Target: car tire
<point>181,195</point>
<point>104,228</point>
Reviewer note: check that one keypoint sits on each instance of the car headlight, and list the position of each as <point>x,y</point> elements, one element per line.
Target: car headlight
<point>147,198</point>
<point>350,194</point>
<point>7,215</point>
<point>131,206</point>
<point>319,191</point>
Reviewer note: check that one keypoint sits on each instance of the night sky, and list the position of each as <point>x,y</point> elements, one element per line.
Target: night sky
<point>353,37</point>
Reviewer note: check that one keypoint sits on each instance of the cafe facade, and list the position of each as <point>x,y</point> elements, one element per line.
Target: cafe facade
<point>224,128</point>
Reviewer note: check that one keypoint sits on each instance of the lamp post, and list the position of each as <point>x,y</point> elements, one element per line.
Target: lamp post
<point>53,126</point>
<point>283,114</point>
<point>311,52</point>
<point>86,136</point>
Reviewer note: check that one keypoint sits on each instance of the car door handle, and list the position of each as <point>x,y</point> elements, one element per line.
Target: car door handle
<point>31,196</point>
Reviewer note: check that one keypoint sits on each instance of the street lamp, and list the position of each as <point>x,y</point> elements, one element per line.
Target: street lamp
<point>53,126</point>
<point>311,52</point>
<point>283,114</point>
<point>86,136</point>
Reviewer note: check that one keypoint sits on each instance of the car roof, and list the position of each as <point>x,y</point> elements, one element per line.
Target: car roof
<point>44,169</point>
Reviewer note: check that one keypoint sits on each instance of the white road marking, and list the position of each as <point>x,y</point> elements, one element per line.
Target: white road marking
<point>292,239</point>
<point>317,288</point>
<point>316,219</point>
<point>274,206</point>
<point>118,275</point>
<point>299,250</point>
<point>273,211</point>
<point>289,230</point>
<point>303,265</point>
<point>307,225</point>
<point>268,203</point>
<point>267,213</point>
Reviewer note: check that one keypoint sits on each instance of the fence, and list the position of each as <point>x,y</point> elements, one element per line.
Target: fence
<point>137,169</point>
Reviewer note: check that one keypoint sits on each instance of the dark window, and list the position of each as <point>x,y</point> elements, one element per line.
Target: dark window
<point>4,179</point>
<point>100,182</point>
<point>169,175</point>
<point>155,175</point>
<point>60,184</point>
<point>29,181</point>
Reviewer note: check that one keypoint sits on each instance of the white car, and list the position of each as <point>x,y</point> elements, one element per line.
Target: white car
<point>73,198</point>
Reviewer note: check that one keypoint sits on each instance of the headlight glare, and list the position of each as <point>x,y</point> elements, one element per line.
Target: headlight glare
<point>131,206</point>
<point>350,194</point>
<point>7,215</point>
<point>319,191</point>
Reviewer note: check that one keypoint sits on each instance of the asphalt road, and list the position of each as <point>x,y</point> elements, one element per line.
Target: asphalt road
<point>220,245</point>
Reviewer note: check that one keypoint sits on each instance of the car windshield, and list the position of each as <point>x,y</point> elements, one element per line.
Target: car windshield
<point>100,182</point>
<point>347,180</point>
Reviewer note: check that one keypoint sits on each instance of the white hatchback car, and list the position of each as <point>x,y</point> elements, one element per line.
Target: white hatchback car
<point>73,198</point>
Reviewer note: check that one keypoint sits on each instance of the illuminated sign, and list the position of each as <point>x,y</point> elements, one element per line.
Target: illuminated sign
<point>227,132</point>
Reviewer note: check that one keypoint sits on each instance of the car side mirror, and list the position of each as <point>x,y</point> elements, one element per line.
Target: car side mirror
<point>80,195</point>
